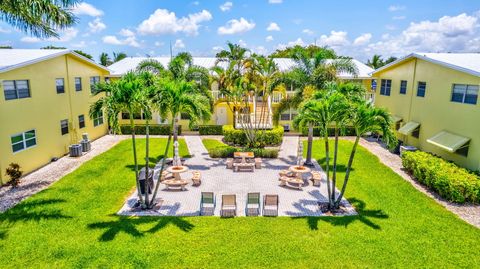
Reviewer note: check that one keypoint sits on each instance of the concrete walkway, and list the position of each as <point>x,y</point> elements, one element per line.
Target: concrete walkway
<point>50,173</point>
<point>219,180</point>
<point>468,212</point>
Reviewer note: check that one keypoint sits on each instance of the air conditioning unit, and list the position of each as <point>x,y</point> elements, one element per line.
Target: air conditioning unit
<point>86,145</point>
<point>286,128</point>
<point>75,150</point>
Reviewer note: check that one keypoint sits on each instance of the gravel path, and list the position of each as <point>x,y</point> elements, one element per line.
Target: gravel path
<point>50,173</point>
<point>468,212</point>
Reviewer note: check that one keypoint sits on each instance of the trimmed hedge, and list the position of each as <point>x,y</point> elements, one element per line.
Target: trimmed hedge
<point>155,129</point>
<point>271,137</point>
<point>451,182</point>
<point>331,132</point>
<point>210,129</point>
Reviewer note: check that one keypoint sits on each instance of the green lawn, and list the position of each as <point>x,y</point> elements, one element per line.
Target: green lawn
<point>73,224</point>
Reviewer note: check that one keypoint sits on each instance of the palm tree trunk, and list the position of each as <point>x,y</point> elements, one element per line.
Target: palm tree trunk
<point>327,167</point>
<point>132,126</point>
<point>347,173</point>
<point>309,145</point>
<point>147,163</point>
<point>164,159</point>
<point>335,155</point>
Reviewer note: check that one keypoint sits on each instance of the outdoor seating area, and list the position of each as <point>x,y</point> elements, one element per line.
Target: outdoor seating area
<point>244,161</point>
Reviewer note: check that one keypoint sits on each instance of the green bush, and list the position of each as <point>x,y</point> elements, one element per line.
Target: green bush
<point>155,129</point>
<point>271,137</point>
<point>451,182</point>
<point>331,131</point>
<point>210,129</point>
<point>217,149</point>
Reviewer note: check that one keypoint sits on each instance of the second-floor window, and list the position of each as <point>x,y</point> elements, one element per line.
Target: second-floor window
<point>60,84</point>
<point>16,89</point>
<point>467,94</point>
<point>64,127</point>
<point>421,89</point>
<point>403,87</point>
<point>93,81</point>
<point>386,87</point>
<point>78,84</point>
<point>81,121</point>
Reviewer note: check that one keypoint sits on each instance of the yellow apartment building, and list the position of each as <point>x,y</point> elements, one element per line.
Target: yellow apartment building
<point>46,95</point>
<point>434,100</point>
<point>223,115</point>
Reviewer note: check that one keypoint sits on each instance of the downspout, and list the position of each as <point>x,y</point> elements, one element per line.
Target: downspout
<point>73,136</point>
<point>414,76</point>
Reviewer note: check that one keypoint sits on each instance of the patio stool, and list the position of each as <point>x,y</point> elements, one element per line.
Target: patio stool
<point>165,175</point>
<point>284,173</point>
<point>258,163</point>
<point>197,178</point>
<point>229,163</point>
<point>316,178</point>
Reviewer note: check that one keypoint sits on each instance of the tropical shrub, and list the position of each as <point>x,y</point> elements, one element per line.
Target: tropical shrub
<point>210,129</point>
<point>154,129</point>
<point>331,132</point>
<point>450,181</point>
<point>217,149</point>
<point>271,137</point>
<point>14,172</point>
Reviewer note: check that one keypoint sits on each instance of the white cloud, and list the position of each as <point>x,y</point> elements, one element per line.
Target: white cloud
<point>128,41</point>
<point>163,21</point>
<point>335,39</point>
<point>65,36</point>
<point>299,41</point>
<point>242,43</point>
<point>126,32</point>
<point>273,26</point>
<point>269,38</point>
<point>96,25</point>
<point>84,8</point>
<point>260,50</point>
<point>390,27</point>
<point>217,48</point>
<point>308,32</point>
<point>196,3</point>
<point>226,6</point>
<point>159,44</point>
<point>179,44</point>
<point>5,31</point>
<point>236,27</point>
<point>363,39</point>
<point>80,44</point>
<point>394,8</point>
<point>275,1</point>
<point>398,18</point>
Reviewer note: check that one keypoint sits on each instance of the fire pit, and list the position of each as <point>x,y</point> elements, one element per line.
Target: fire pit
<point>299,169</point>
<point>176,170</point>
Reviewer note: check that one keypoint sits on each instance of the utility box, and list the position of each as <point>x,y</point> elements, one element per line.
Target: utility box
<point>75,150</point>
<point>86,145</point>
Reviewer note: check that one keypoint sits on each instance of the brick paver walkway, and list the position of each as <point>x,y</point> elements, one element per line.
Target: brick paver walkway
<point>219,180</point>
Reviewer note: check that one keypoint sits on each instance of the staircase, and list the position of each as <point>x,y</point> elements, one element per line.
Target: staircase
<point>261,118</point>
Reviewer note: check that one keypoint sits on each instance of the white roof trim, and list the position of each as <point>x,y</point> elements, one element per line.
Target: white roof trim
<point>428,59</point>
<point>51,56</point>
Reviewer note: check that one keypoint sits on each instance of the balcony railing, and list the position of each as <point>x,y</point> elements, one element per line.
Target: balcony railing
<point>244,121</point>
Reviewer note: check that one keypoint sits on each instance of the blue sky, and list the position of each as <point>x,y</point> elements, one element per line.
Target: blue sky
<point>353,28</point>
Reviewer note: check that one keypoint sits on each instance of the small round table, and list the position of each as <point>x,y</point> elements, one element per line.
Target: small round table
<point>299,170</point>
<point>176,170</point>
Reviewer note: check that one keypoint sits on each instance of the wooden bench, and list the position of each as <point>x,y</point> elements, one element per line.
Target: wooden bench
<point>243,166</point>
<point>293,182</point>
<point>197,178</point>
<point>173,183</point>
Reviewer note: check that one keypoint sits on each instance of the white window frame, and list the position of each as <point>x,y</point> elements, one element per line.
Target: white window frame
<point>81,86</point>
<point>63,85</point>
<point>24,141</point>
<point>96,119</point>
<point>15,88</point>
<point>464,93</point>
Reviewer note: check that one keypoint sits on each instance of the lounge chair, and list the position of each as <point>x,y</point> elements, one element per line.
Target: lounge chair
<point>270,205</point>
<point>229,205</point>
<point>207,203</point>
<point>258,163</point>
<point>196,178</point>
<point>253,204</point>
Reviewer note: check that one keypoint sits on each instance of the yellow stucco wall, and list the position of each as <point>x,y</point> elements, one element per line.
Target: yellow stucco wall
<point>44,110</point>
<point>435,112</point>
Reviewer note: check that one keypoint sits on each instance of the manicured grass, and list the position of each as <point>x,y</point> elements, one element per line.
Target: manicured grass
<point>73,224</point>
<point>212,144</point>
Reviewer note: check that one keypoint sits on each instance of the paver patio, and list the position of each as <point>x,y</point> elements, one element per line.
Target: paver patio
<point>216,178</point>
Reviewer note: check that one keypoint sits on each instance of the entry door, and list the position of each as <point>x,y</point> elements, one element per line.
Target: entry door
<point>221,115</point>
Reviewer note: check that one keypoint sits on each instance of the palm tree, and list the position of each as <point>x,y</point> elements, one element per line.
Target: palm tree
<point>40,18</point>
<point>376,62</point>
<point>118,56</point>
<point>312,73</point>
<point>235,53</point>
<point>123,95</point>
<point>105,59</point>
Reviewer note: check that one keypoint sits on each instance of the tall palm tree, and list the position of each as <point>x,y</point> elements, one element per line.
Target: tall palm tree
<point>123,95</point>
<point>312,73</point>
<point>235,53</point>
<point>40,18</point>
<point>118,56</point>
<point>376,61</point>
<point>105,59</point>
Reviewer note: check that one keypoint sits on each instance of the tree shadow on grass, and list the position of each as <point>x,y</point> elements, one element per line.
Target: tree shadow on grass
<point>35,210</point>
<point>365,216</point>
<point>341,168</point>
<point>129,225</point>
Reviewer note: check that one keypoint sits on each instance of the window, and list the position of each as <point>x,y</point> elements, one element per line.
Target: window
<point>23,141</point>
<point>78,84</point>
<point>81,121</point>
<point>136,116</point>
<point>98,119</point>
<point>385,87</point>
<point>285,116</point>
<point>403,87</point>
<point>64,127</point>
<point>107,80</point>
<point>60,84</point>
<point>466,94</point>
<point>288,115</point>
<point>16,89</point>
<point>93,81</point>
<point>422,87</point>
<point>373,86</point>
<point>184,116</point>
